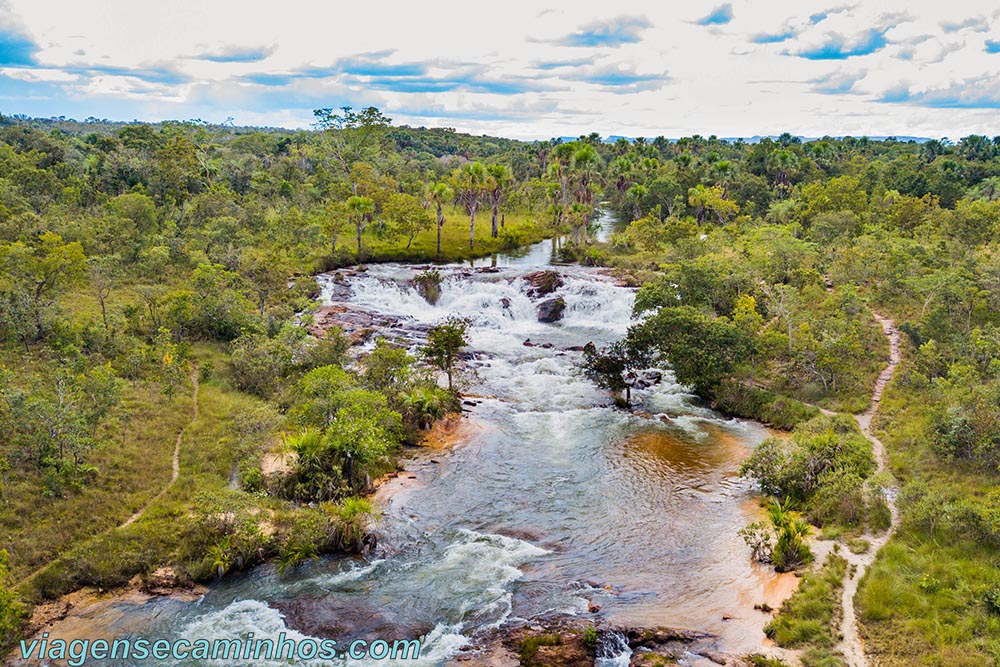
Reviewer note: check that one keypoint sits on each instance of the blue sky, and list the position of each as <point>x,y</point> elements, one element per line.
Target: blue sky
<point>519,69</point>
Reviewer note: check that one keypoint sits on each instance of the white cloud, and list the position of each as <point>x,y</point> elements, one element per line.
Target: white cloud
<point>515,68</point>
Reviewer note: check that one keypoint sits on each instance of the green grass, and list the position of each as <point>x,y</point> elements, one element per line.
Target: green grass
<point>741,400</point>
<point>531,644</point>
<point>89,548</point>
<point>808,619</point>
<point>521,229</point>
<point>924,601</point>
<point>133,465</point>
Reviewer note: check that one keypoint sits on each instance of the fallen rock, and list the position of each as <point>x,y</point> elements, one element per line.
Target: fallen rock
<point>551,310</point>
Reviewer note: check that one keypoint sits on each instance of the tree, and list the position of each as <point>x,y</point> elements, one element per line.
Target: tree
<point>407,216</point>
<point>750,322</point>
<point>336,221</point>
<point>711,200</point>
<point>635,196</point>
<point>586,170</point>
<point>437,194</point>
<point>444,342</point>
<point>498,186</point>
<point>353,136</point>
<point>266,272</point>
<point>701,350</point>
<point>102,271</point>
<point>361,210</point>
<point>781,164</point>
<point>35,275</point>
<point>611,366</point>
<point>469,182</point>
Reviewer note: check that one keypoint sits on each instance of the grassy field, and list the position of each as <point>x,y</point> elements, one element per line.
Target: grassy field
<point>931,596</point>
<point>520,229</point>
<point>807,621</point>
<point>132,466</point>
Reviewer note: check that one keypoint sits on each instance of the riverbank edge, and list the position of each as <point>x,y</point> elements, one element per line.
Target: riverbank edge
<point>46,615</point>
<point>444,434</point>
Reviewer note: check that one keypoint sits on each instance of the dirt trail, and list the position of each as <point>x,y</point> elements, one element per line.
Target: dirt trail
<point>175,473</point>
<point>851,646</point>
<point>177,456</point>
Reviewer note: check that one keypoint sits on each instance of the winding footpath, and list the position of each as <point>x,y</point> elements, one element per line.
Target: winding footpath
<point>851,646</point>
<point>176,471</point>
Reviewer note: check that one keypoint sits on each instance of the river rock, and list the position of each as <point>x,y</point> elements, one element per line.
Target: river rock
<point>337,617</point>
<point>543,282</point>
<point>551,310</point>
<point>357,325</point>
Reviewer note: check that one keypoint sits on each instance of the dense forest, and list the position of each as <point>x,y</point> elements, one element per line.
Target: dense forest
<point>157,283</point>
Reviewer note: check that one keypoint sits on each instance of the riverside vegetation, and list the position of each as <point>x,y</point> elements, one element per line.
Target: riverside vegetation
<point>157,281</point>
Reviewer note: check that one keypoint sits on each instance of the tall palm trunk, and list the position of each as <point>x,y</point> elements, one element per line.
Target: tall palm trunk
<point>440,221</point>
<point>472,226</point>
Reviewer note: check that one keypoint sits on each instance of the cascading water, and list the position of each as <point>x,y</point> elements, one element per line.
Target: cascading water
<point>556,503</point>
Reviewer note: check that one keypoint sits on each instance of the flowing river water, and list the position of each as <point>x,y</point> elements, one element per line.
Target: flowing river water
<point>553,500</point>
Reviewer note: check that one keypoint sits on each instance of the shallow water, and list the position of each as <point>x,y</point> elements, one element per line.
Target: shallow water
<point>556,502</point>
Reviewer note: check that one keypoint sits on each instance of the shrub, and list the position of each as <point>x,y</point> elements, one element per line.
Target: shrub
<point>428,284</point>
<point>740,400</point>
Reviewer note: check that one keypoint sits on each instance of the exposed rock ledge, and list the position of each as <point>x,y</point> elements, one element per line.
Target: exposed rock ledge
<point>563,642</point>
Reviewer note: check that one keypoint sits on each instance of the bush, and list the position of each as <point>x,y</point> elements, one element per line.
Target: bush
<point>428,284</point>
<point>824,466</point>
<point>12,611</point>
<point>740,400</point>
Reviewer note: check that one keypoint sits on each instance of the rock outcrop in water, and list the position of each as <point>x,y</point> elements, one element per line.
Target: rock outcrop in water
<point>543,283</point>
<point>571,642</point>
<point>358,325</point>
<point>551,310</point>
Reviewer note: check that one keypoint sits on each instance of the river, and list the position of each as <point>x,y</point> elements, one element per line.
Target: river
<point>554,501</point>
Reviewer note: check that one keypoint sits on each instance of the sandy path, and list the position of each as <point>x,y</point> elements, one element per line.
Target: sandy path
<point>851,645</point>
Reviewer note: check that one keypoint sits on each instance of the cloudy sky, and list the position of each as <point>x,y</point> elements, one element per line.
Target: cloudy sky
<point>518,69</point>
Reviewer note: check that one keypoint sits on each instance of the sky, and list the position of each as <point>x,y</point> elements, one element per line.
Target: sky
<point>527,70</point>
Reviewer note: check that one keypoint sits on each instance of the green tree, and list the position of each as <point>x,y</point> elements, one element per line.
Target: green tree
<point>498,186</point>
<point>444,342</point>
<point>702,350</point>
<point>407,216</point>
<point>36,275</point>
<point>437,194</point>
<point>361,211</point>
<point>469,183</point>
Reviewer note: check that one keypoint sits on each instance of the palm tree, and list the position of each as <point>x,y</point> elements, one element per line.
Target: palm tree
<point>782,164</point>
<point>497,188</point>
<point>724,172</point>
<point>621,171</point>
<point>560,165</point>
<point>360,210</point>
<point>425,406</point>
<point>352,518</point>
<point>469,182</point>
<point>635,195</point>
<point>586,169</point>
<point>437,194</point>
